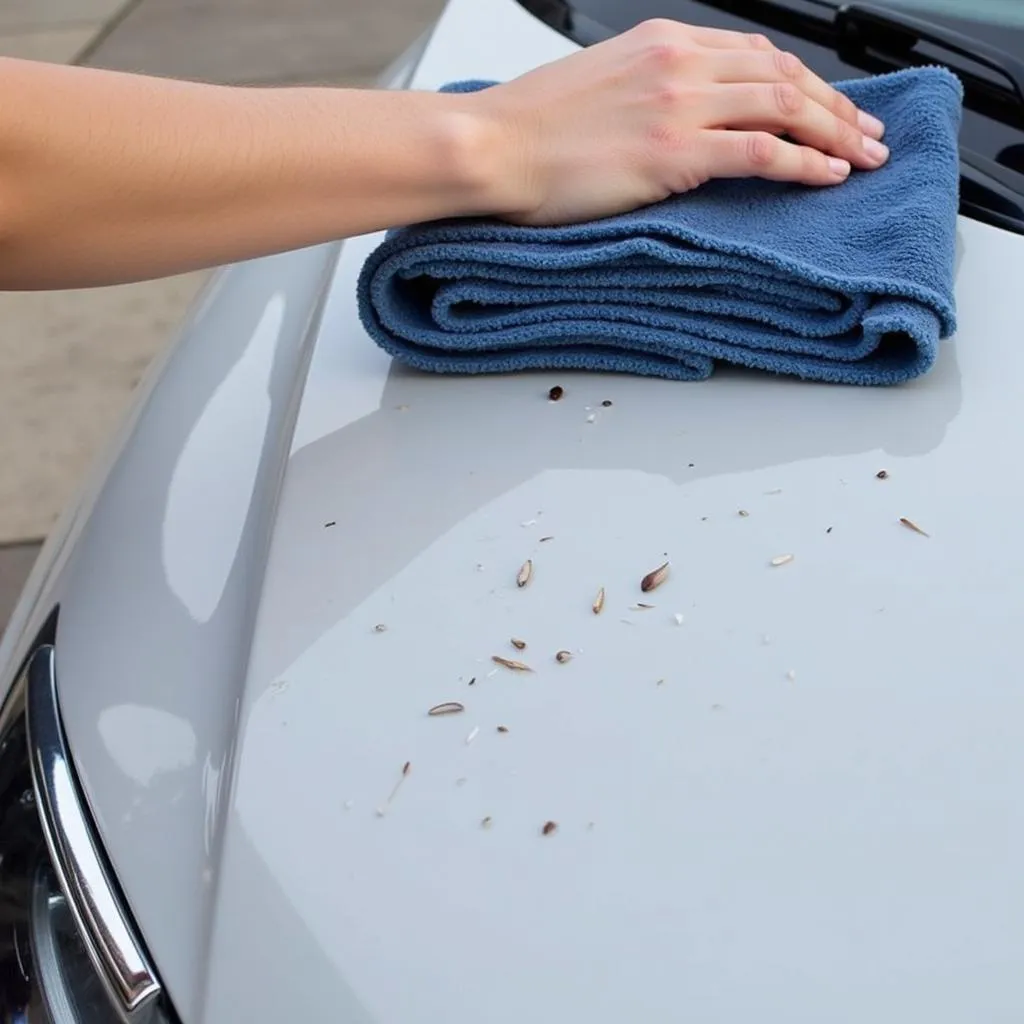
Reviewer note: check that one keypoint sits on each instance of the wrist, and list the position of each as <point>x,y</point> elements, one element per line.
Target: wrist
<point>483,161</point>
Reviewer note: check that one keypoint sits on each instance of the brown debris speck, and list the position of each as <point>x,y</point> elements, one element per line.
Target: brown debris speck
<point>333,522</point>
<point>525,573</point>
<point>502,728</point>
<point>383,809</point>
<point>519,645</point>
<point>598,604</point>
<point>882,474</point>
<point>486,822</point>
<point>563,656</point>
<point>380,628</point>
<point>516,666</point>
<point>449,707</point>
<point>556,393</point>
<point>655,578</point>
<point>548,827</point>
<point>743,513</point>
<point>472,681</point>
<point>911,525</point>
<point>544,540</point>
<point>641,607</point>
<point>607,403</point>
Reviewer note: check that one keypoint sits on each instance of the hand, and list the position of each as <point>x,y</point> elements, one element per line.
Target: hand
<point>661,109</point>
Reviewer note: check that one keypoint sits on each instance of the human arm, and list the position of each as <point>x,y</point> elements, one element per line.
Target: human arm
<point>108,177</point>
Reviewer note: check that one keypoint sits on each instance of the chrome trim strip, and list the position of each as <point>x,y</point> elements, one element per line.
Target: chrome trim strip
<point>93,899</point>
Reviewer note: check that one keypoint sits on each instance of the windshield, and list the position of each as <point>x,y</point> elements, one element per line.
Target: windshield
<point>998,12</point>
<point>995,12</point>
<point>987,42</point>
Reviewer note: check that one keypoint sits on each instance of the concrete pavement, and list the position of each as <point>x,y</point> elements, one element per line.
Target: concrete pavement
<point>264,41</point>
<point>52,30</point>
<point>71,359</point>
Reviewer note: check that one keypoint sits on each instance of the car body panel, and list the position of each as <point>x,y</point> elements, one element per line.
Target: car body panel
<point>161,585</point>
<point>760,810</point>
<point>734,841</point>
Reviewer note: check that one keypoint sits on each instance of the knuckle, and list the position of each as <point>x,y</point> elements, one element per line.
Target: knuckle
<point>664,54</point>
<point>663,42</point>
<point>812,163</point>
<point>788,99</point>
<point>847,137</point>
<point>656,28</point>
<point>760,149</point>
<point>759,41</point>
<point>845,108</point>
<point>788,65</point>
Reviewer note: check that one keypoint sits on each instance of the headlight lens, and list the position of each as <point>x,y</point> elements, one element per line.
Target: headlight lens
<point>47,974</point>
<point>64,972</point>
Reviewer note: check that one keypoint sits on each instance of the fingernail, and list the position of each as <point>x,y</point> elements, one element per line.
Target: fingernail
<point>877,152</point>
<point>840,168</point>
<point>870,125</point>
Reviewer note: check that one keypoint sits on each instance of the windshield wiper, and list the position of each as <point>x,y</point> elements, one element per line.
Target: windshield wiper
<point>879,39</point>
<point>866,32</point>
<point>989,192</point>
<point>885,40</point>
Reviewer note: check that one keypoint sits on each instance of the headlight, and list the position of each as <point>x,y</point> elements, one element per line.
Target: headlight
<point>68,952</point>
<point>64,975</point>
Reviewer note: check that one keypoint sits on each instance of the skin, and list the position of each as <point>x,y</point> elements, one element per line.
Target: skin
<point>107,177</point>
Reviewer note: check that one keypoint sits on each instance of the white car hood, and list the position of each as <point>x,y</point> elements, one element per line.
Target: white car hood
<point>798,804</point>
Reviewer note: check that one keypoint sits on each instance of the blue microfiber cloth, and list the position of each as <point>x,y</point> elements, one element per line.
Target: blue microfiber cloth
<point>850,283</point>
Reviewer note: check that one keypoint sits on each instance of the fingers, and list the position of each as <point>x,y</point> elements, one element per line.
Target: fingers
<point>723,39</point>
<point>786,108</point>
<point>735,66</point>
<point>666,30</point>
<point>746,57</point>
<point>733,154</point>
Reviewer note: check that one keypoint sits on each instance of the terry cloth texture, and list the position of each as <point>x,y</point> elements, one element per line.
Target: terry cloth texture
<point>850,284</point>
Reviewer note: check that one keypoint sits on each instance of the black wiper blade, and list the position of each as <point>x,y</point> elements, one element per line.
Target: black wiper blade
<point>807,19</point>
<point>990,192</point>
<point>881,39</point>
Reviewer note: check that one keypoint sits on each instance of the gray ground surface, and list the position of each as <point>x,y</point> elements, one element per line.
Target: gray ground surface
<point>70,359</point>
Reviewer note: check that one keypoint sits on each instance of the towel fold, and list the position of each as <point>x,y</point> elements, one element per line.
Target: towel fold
<point>850,283</point>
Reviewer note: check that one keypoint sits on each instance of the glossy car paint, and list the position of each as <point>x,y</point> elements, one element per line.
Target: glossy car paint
<point>800,804</point>
<point>158,573</point>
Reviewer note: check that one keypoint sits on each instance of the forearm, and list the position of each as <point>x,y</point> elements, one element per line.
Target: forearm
<point>106,177</point>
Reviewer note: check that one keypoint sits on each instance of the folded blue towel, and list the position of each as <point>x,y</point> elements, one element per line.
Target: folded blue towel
<point>850,283</point>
